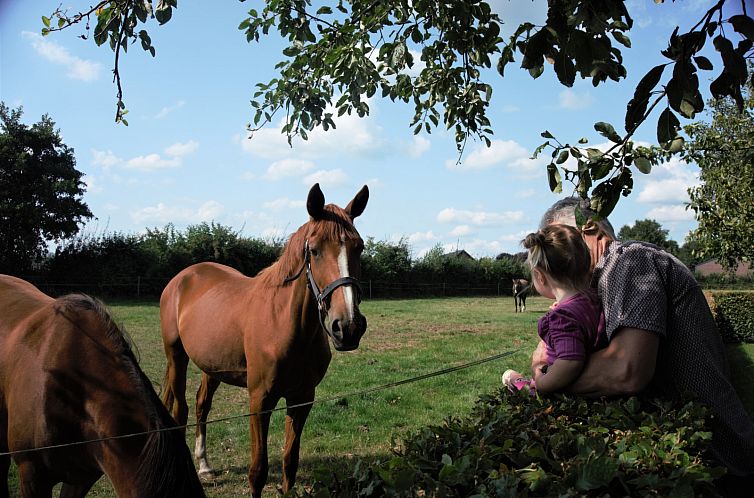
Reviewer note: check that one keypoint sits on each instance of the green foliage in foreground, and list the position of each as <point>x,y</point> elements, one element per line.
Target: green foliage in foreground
<point>515,444</point>
<point>734,314</point>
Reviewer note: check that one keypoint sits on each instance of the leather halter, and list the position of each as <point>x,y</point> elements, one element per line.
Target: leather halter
<point>322,295</point>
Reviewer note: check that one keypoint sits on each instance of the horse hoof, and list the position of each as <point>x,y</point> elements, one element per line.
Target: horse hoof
<point>206,474</point>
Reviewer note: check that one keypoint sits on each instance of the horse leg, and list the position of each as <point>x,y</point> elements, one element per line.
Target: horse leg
<point>174,397</point>
<point>4,468</point>
<point>259,425</point>
<point>295,418</point>
<point>31,483</point>
<point>203,405</point>
<point>523,304</point>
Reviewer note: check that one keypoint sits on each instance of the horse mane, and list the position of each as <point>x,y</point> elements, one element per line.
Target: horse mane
<point>166,467</point>
<point>335,224</point>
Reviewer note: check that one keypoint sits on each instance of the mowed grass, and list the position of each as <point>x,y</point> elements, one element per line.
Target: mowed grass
<point>405,339</point>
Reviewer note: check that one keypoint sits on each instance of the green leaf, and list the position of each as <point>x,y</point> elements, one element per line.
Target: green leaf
<point>607,131</point>
<point>643,164</point>
<point>622,39</point>
<point>46,21</point>
<point>546,134</point>
<point>676,145</point>
<point>553,177</point>
<point>703,63</point>
<point>563,157</point>
<point>744,25</point>
<point>667,126</point>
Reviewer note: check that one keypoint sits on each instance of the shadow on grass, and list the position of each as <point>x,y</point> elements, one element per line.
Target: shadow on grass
<point>326,468</point>
<point>741,361</point>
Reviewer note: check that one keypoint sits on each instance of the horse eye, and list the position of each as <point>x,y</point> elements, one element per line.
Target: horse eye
<point>315,252</point>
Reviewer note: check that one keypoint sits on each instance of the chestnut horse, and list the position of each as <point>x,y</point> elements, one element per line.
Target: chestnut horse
<point>68,375</point>
<point>267,333</point>
<point>520,291</point>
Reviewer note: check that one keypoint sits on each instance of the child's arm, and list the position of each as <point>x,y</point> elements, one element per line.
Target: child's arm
<point>559,375</point>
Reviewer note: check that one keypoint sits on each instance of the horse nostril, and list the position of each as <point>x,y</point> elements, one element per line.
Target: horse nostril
<point>335,329</point>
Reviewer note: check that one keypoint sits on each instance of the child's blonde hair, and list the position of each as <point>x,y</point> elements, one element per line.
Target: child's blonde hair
<point>560,252</point>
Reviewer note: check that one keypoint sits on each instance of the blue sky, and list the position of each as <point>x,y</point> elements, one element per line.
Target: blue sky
<point>185,157</point>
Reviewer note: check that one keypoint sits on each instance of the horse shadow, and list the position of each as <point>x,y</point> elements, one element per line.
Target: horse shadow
<point>311,469</point>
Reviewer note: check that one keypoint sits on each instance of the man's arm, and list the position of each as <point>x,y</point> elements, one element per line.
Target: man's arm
<point>559,375</point>
<point>625,366</point>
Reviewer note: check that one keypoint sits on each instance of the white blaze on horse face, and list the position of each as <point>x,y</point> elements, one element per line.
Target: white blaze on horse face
<point>347,289</point>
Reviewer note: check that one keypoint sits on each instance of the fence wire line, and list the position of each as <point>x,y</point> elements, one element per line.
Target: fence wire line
<point>335,397</point>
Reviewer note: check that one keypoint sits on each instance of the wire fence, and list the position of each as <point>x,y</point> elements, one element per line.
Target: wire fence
<point>138,287</point>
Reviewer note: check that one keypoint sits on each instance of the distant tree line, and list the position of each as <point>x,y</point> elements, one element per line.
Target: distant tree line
<point>124,265</point>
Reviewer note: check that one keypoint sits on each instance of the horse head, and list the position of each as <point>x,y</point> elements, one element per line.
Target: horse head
<point>332,255</point>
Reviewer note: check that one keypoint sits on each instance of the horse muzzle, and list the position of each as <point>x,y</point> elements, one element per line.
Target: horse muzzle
<point>346,334</point>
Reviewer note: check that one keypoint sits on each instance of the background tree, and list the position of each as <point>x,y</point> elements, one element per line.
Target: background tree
<point>649,231</point>
<point>40,191</point>
<point>341,52</point>
<point>724,202</point>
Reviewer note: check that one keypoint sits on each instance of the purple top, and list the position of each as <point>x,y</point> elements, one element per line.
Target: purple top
<point>573,328</point>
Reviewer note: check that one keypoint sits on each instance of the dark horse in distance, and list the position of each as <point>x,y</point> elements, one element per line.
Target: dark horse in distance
<point>68,375</point>
<point>520,291</point>
<point>268,333</point>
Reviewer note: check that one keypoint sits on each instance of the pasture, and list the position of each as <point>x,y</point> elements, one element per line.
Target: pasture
<point>405,338</point>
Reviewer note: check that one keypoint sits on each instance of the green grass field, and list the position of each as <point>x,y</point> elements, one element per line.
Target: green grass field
<point>405,338</point>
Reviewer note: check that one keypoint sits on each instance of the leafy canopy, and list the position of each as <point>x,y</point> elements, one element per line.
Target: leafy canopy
<point>724,202</point>
<point>649,231</point>
<point>341,52</point>
<point>40,190</point>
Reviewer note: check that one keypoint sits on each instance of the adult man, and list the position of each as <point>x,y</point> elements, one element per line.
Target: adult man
<point>661,336</point>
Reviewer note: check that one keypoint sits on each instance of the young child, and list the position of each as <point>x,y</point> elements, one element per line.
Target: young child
<point>575,325</point>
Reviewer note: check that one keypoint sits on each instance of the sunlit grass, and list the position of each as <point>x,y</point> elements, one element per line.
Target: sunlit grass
<point>405,339</point>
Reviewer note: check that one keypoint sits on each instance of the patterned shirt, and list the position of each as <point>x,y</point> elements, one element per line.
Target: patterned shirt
<point>573,328</point>
<point>644,287</point>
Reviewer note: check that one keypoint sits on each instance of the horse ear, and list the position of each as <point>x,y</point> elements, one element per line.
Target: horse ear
<point>315,203</point>
<point>358,203</point>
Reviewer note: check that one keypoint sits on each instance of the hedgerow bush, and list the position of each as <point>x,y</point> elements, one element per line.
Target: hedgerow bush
<point>517,445</point>
<point>734,314</point>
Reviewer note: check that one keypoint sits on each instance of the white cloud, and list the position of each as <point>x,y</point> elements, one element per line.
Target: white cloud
<point>671,213</point>
<point>106,159</point>
<point>568,99</point>
<point>78,69</point>
<point>479,218</point>
<point>286,168</point>
<point>669,183</point>
<point>152,162</point>
<point>169,109</point>
<point>182,149</point>
<point>419,146</point>
<point>161,213</point>
<point>460,231</point>
<point>283,203</point>
<point>327,178</point>
<point>92,184</point>
<point>353,136</point>
<point>417,237</point>
<point>500,152</point>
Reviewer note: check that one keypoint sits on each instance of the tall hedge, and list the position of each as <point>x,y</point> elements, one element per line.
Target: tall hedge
<point>734,314</point>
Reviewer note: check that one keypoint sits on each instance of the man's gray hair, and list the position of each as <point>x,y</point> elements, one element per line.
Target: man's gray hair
<point>563,212</point>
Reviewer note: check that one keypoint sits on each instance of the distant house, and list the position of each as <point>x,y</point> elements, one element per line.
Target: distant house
<point>711,266</point>
<point>461,254</point>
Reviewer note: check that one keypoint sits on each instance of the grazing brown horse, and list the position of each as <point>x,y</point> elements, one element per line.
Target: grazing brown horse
<point>68,375</point>
<point>520,291</point>
<point>268,333</point>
